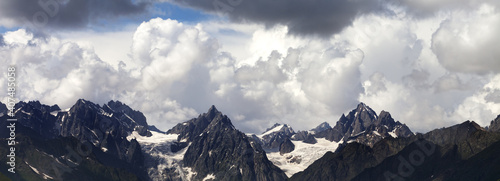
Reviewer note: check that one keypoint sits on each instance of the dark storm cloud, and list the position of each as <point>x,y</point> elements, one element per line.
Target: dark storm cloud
<point>67,13</point>
<point>303,17</point>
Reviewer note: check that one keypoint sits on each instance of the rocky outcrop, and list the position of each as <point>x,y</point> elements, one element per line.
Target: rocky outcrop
<point>495,125</point>
<point>274,136</point>
<point>286,147</point>
<point>430,156</point>
<point>88,123</point>
<point>305,137</point>
<point>190,129</point>
<point>228,154</point>
<point>321,127</point>
<point>38,117</point>
<point>364,126</point>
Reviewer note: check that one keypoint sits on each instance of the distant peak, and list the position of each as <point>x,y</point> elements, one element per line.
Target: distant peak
<point>471,124</point>
<point>117,103</point>
<point>212,109</point>
<point>384,114</point>
<point>81,101</point>
<point>321,127</point>
<point>272,127</point>
<point>325,123</point>
<point>362,107</point>
<point>212,112</point>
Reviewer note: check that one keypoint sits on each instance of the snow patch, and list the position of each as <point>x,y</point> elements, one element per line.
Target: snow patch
<point>155,138</point>
<point>303,155</point>
<point>27,113</point>
<point>54,113</point>
<point>158,146</point>
<point>359,133</point>
<point>393,133</point>
<point>45,176</point>
<point>275,129</point>
<point>209,177</point>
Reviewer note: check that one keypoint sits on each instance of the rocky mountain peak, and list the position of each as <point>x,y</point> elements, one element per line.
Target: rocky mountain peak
<point>322,127</point>
<point>212,112</point>
<point>219,149</point>
<point>188,130</point>
<point>365,112</point>
<point>125,112</point>
<point>220,122</point>
<point>272,127</point>
<point>364,126</point>
<point>385,118</point>
<point>274,136</point>
<point>279,128</point>
<point>495,125</point>
<point>453,134</point>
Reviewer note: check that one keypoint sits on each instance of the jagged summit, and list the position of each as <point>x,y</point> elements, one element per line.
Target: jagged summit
<point>321,127</point>
<point>272,127</point>
<point>212,112</point>
<point>278,128</point>
<point>363,108</point>
<point>217,148</point>
<point>363,125</point>
<point>213,118</point>
<point>495,125</point>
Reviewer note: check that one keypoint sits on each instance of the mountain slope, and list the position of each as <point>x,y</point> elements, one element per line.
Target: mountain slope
<point>495,125</point>
<point>61,158</point>
<point>217,149</point>
<point>102,128</point>
<point>418,157</point>
<point>294,152</point>
<point>365,126</point>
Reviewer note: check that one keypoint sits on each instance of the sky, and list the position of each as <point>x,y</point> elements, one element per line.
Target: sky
<point>430,63</point>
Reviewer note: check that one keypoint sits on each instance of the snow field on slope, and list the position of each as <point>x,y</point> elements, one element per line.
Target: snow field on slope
<point>302,156</point>
<point>158,147</point>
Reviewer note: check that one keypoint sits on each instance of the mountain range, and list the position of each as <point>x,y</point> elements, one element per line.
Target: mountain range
<point>114,142</point>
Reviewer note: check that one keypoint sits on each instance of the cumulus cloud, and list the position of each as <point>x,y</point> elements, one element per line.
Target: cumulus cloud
<point>391,62</point>
<point>59,72</point>
<point>66,14</point>
<point>467,41</point>
<point>318,17</point>
<point>481,106</point>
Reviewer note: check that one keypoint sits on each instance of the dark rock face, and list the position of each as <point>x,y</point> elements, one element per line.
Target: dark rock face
<point>103,128</point>
<point>305,137</point>
<point>273,139</point>
<point>354,123</point>
<point>38,117</point>
<point>3,109</point>
<point>321,127</point>
<point>50,157</point>
<point>189,130</point>
<point>364,126</point>
<point>225,152</point>
<point>495,125</point>
<point>286,147</point>
<point>383,127</point>
<point>106,128</point>
<point>436,155</point>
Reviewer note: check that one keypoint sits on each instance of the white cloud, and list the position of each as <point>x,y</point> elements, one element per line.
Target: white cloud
<point>173,71</point>
<point>467,41</point>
